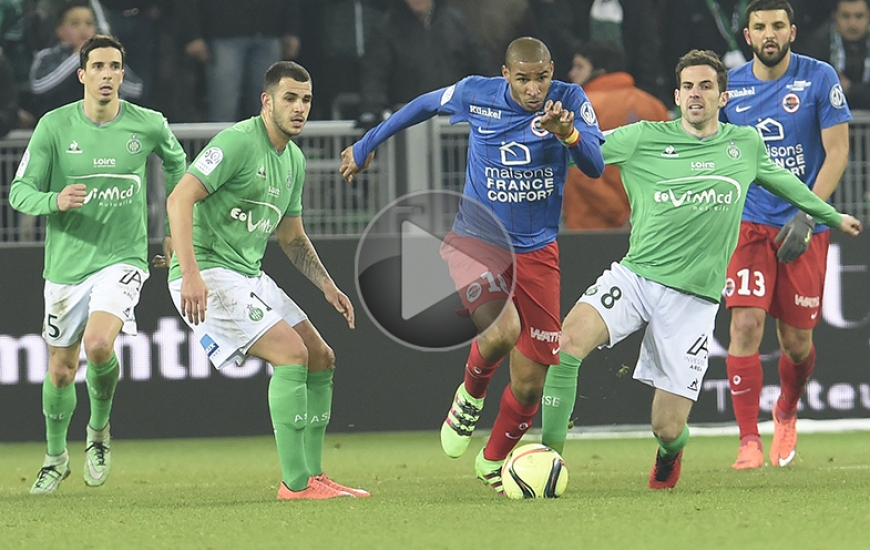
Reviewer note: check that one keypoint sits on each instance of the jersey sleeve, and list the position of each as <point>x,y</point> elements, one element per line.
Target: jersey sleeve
<point>787,186</point>
<point>34,171</point>
<point>621,142</point>
<point>294,207</point>
<point>174,160</point>
<point>831,100</point>
<point>222,159</point>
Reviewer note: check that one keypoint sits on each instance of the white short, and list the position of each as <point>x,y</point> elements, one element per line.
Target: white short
<point>673,355</point>
<point>240,310</point>
<point>114,289</point>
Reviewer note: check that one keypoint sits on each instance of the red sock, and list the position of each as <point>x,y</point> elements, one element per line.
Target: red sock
<point>478,371</point>
<point>513,420</point>
<point>793,379</point>
<point>745,378</point>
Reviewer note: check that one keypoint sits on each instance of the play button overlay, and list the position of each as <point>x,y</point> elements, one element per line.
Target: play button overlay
<point>402,277</point>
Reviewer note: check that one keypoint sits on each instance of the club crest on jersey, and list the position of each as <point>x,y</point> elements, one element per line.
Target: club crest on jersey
<point>536,127</point>
<point>733,151</point>
<point>134,145</point>
<point>473,292</point>
<point>791,102</point>
<point>837,97</point>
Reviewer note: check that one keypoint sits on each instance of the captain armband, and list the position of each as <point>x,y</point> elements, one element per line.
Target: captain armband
<point>571,139</point>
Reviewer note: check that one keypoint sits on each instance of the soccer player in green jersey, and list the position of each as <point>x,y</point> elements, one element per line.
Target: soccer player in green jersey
<point>246,185</point>
<point>84,169</point>
<point>686,181</point>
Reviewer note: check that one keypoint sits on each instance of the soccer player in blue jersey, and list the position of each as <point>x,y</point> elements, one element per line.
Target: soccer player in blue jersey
<point>778,268</point>
<point>525,129</point>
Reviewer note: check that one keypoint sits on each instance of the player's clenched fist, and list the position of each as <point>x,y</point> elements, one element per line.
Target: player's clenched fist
<point>72,196</point>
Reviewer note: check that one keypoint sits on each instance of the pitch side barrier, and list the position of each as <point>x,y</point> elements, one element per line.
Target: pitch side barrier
<point>168,388</point>
<point>431,155</point>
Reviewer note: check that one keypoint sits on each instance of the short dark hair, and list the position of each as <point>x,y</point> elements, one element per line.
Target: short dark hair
<point>96,42</point>
<point>284,69</point>
<point>604,54</point>
<point>704,57</point>
<point>769,5</point>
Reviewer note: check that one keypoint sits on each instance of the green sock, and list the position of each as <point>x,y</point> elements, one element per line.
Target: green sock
<point>560,392</point>
<point>319,408</point>
<point>102,380</point>
<point>288,405</point>
<point>58,405</point>
<point>672,449</point>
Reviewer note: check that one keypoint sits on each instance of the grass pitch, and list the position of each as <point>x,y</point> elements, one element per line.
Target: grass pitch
<point>220,493</point>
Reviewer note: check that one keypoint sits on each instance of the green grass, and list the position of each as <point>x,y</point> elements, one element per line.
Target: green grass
<point>220,493</point>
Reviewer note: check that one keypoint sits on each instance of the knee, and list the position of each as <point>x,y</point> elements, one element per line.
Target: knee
<point>747,325</point>
<point>503,333</point>
<point>527,392</point>
<point>321,359</point>
<point>98,348</point>
<point>796,345</point>
<point>62,372</point>
<point>668,431</point>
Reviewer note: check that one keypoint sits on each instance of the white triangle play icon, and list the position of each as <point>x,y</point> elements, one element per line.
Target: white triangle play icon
<point>425,277</point>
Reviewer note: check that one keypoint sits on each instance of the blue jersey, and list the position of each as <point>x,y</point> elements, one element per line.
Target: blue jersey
<point>789,113</point>
<point>515,167</point>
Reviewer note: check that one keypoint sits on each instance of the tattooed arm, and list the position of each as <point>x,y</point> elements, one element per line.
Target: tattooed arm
<point>298,248</point>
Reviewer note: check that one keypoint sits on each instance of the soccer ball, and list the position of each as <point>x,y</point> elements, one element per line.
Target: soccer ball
<point>534,471</point>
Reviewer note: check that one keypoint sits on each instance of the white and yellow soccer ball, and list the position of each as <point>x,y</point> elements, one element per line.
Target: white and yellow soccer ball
<point>534,471</point>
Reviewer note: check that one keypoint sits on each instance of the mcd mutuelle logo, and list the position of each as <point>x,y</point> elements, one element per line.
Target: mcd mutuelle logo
<point>425,261</point>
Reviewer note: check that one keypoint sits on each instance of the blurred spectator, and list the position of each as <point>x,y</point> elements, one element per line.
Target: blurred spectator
<point>54,73</point>
<point>134,24</point>
<point>599,67</point>
<point>711,25</point>
<point>497,22</point>
<point>420,45</point>
<point>8,97</point>
<point>844,42</point>
<point>238,41</point>
<point>567,24</point>
<point>335,33</point>
<point>19,30</point>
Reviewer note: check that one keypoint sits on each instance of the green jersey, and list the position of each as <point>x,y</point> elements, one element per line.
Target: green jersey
<point>687,197</point>
<point>251,188</point>
<point>111,160</point>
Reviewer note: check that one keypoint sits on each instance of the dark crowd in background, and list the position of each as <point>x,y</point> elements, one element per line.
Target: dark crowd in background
<point>203,60</point>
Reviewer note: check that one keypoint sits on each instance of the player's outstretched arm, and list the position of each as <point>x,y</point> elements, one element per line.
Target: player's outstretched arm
<point>299,250</point>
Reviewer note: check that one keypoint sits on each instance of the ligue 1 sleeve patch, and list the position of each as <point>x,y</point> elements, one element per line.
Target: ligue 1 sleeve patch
<point>588,114</point>
<point>448,94</point>
<point>209,160</point>
<point>837,97</point>
<point>22,166</point>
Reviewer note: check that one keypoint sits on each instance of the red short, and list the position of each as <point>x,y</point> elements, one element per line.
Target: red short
<point>789,292</point>
<point>536,290</point>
